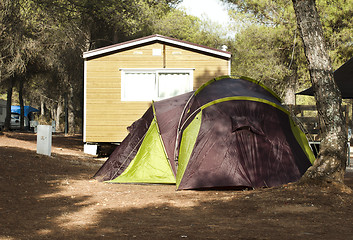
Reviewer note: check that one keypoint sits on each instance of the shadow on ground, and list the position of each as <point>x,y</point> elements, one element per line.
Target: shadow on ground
<point>60,140</point>
<point>53,198</point>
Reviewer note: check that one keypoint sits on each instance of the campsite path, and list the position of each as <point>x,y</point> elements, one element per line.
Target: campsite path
<point>55,198</point>
<point>61,144</point>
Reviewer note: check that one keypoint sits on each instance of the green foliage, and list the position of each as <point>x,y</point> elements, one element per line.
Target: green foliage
<point>267,45</point>
<point>269,48</point>
<point>177,24</point>
<point>258,54</point>
<point>41,41</point>
<point>16,44</point>
<point>336,18</point>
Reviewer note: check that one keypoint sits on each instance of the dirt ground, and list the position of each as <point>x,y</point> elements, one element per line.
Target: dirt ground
<point>55,198</point>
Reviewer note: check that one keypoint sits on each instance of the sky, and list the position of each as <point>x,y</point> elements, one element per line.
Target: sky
<point>213,9</point>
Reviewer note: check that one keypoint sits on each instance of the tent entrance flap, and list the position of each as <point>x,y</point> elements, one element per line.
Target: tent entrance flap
<point>150,164</point>
<point>187,145</point>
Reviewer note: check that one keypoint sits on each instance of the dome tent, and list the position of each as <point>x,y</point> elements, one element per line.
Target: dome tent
<point>228,133</point>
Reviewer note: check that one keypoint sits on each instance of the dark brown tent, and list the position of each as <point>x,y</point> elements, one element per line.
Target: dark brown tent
<point>228,133</point>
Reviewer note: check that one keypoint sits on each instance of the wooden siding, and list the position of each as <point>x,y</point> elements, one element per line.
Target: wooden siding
<point>107,117</point>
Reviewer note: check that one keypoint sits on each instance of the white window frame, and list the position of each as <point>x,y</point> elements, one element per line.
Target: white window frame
<point>156,71</point>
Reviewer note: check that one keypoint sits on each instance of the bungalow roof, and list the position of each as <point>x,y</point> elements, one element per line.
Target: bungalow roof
<point>156,38</point>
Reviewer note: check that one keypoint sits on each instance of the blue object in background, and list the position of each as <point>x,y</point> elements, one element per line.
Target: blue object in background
<point>27,110</point>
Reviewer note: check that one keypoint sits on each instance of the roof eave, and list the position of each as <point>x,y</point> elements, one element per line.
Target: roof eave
<point>140,41</point>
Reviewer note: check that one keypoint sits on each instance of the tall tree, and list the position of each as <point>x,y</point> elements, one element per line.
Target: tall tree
<point>270,55</point>
<point>8,104</point>
<point>266,45</point>
<point>176,23</point>
<point>274,23</point>
<point>75,26</point>
<point>336,18</point>
<point>331,162</point>
<point>43,40</point>
<point>338,33</point>
<point>17,47</point>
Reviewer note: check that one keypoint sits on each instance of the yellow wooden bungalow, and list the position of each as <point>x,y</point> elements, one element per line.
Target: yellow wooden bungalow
<point>121,80</point>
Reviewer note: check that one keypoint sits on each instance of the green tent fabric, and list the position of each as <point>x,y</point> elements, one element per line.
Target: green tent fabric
<point>150,164</point>
<point>228,133</point>
<point>187,145</point>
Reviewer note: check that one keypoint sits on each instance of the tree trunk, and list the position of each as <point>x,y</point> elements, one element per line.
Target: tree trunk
<point>71,115</point>
<point>59,110</point>
<point>289,96</point>
<point>66,115</point>
<point>20,98</point>
<point>42,106</point>
<point>331,163</point>
<point>53,113</point>
<point>7,125</point>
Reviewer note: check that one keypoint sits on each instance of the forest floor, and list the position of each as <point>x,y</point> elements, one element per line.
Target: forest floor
<point>55,197</point>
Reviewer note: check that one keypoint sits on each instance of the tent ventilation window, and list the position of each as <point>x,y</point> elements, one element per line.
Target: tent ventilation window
<point>241,123</point>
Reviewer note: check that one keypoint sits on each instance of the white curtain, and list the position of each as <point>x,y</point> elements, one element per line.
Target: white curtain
<point>139,86</point>
<point>172,84</point>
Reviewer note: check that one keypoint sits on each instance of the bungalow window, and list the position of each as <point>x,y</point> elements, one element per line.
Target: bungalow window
<point>147,85</point>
